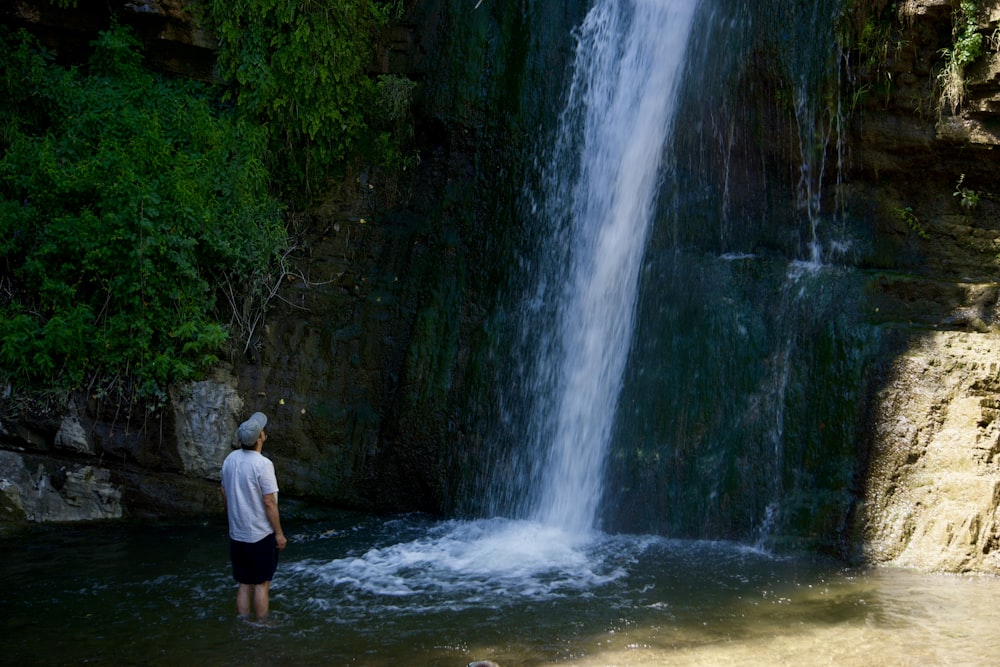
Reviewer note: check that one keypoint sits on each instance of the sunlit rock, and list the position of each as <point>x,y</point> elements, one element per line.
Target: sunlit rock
<point>72,435</point>
<point>206,414</point>
<point>933,483</point>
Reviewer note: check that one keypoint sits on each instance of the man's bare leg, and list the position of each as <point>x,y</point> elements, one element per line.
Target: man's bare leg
<point>243,600</point>
<point>261,599</point>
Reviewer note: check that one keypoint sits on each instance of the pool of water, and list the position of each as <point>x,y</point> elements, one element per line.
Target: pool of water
<point>361,590</point>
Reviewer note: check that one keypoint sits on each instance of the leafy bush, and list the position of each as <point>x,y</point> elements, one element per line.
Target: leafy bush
<point>126,201</point>
<point>300,70</point>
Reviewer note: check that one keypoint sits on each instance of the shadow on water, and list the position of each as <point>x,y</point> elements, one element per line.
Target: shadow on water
<point>364,590</point>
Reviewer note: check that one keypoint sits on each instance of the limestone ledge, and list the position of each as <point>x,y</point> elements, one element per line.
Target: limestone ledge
<point>65,477</point>
<point>70,492</point>
<point>932,498</point>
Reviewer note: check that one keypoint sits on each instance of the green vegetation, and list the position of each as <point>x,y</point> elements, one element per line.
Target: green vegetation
<point>141,223</point>
<point>968,198</point>
<point>966,48</point>
<point>871,30</point>
<point>128,203</point>
<point>910,219</point>
<point>392,126</point>
<point>299,69</point>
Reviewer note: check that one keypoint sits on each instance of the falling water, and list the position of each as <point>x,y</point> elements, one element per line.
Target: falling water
<point>600,188</point>
<point>819,117</point>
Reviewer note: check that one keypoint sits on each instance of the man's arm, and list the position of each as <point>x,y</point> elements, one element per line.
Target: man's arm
<point>271,510</point>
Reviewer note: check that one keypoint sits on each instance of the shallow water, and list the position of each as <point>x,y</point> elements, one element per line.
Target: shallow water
<point>361,590</point>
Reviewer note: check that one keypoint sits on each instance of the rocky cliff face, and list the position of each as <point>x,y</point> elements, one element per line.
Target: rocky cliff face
<point>325,366</point>
<point>929,172</point>
<point>363,365</point>
<point>934,483</point>
<point>359,364</point>
<point>175,40</point>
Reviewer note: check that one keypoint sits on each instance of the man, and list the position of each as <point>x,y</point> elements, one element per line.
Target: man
<point>250,492</point>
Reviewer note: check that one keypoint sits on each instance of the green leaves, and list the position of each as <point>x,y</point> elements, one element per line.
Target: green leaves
<point>300,68</point>
<point>125,198</point>
<point>967,47</point>
<point>136,214</point>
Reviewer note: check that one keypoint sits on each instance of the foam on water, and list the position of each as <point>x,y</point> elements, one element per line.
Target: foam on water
<point>473,561</point>
<point>491,564</point>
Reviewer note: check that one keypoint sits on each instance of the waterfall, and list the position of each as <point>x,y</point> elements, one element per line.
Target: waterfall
<point>687,356</point>
<point>599,195</point>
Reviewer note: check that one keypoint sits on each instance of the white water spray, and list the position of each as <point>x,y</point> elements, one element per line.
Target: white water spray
<point>601,194</point>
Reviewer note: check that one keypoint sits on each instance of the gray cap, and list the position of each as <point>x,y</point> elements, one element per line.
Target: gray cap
<point>249,431</point>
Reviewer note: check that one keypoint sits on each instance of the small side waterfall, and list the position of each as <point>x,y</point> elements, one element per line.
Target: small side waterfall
<point>600,190</point>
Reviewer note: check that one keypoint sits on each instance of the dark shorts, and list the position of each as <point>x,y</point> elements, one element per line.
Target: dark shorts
<point>254,562</point>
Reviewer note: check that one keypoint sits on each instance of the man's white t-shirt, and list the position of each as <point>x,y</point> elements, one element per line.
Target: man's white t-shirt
<point>248,476</point>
